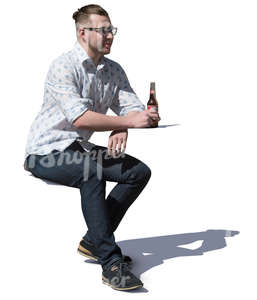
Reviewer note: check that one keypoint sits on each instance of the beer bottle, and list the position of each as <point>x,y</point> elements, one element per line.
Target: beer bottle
<point>152,103</point>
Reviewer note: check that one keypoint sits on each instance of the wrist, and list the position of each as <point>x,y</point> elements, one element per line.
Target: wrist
<point>127,122</point>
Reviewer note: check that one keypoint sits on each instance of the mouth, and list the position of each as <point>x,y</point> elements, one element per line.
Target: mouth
<point>107,45</point>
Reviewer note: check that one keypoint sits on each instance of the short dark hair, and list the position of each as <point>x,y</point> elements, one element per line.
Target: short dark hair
<point>83,13</point>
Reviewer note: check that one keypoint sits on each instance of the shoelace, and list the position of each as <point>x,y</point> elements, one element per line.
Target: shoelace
<point>122,267</point>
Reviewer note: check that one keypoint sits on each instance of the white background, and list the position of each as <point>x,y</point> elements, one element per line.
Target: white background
<point>202,56</point>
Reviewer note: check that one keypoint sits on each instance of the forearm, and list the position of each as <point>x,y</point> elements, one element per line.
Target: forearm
<point>91,120</point>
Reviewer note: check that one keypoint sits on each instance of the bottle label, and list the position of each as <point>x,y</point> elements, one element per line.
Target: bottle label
<point>154,107</point>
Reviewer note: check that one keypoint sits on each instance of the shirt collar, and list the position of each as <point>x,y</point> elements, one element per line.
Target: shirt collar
<point>83,56</point>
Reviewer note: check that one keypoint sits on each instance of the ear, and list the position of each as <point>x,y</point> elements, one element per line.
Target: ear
<point>81,32</point>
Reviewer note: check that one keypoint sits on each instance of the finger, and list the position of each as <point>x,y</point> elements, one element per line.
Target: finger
<point>110,146</point>
<point>124,145</point>
<point>154,114</point>
<point>155,117</point>
<point>114,145</point>
<point>119,146</point>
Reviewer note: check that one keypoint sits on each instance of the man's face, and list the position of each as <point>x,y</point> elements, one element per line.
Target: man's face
<point>98,43</point>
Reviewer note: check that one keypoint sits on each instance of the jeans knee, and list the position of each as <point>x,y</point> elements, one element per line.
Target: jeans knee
<point>147,172</point>
<point>141,173</point>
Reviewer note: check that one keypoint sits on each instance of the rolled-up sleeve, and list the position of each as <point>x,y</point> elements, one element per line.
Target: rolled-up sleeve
<point>125,99</point>
<point>62,86</point>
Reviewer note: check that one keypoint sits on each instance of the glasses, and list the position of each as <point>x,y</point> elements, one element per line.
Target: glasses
<point>103,30</point>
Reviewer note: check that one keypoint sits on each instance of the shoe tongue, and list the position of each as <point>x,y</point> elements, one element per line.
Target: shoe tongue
<point>113,268</point>
<point>116,264</point>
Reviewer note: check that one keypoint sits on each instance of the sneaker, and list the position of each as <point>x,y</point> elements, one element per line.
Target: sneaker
<point>89,250</point>
<point>118,277</point>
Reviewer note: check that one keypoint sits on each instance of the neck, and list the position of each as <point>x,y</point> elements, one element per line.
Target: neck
<point>94,56</point>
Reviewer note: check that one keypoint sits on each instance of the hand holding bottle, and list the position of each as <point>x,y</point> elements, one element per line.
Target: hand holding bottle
<point>142,119</point>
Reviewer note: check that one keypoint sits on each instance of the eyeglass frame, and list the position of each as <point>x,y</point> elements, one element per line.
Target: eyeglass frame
<point>101,31</point>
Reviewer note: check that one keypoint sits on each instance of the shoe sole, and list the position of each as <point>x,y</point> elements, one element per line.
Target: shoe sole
<point>86,254</point>
<point>105,281</point>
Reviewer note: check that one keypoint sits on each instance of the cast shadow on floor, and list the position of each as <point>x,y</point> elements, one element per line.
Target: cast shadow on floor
<point>153,251</point>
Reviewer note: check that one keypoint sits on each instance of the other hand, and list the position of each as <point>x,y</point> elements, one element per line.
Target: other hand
<point>117,142</point>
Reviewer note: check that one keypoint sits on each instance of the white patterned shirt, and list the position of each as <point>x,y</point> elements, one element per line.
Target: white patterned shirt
<point>74,85</point>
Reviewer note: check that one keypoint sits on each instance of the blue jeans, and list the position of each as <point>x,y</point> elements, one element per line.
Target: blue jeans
<point>89,172</point>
